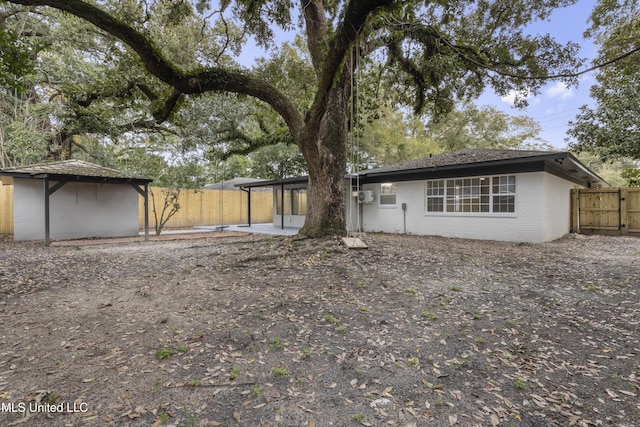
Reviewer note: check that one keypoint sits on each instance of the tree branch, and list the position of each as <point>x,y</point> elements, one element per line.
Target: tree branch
<point>337,50</point>
<point>212,79</point>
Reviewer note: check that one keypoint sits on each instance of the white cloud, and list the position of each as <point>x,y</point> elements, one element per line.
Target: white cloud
<point>510,98</point>
<point>559,90</point>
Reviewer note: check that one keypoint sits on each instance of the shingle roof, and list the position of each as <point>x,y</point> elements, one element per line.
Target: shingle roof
<point>67,167</point>
<point>235,184</point>
<point>469,162</point>
<point>460,157</point>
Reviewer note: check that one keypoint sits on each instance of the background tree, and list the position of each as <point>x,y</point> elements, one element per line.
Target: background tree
<point>434,53</point>
<point>172,172</point>
<point>611,128</point>
<point>619,172</point>
<point>487,127</point>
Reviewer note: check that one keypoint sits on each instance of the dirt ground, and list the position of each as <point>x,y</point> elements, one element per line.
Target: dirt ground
<point>274,331</point>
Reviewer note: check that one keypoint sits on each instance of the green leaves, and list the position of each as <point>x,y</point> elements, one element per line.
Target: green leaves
<point>611,128</point>
<point>16,60</point>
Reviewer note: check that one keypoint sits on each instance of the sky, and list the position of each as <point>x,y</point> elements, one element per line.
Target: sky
<point>556,104</point>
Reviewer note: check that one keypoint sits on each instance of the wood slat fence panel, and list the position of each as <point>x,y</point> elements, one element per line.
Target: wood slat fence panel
<point>606,211</point>
<point>211,207</point>
<point>6,209</point>
<point>633,210</point>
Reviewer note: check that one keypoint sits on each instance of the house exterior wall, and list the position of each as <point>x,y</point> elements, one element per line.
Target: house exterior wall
<point>77,210</point>
<point>541,213</point>
<point>557,218</point>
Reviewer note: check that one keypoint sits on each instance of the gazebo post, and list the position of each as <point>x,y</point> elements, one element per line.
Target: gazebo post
<point>47,239</point>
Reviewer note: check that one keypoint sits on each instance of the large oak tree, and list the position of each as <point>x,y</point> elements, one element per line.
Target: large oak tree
<point>434,52</point>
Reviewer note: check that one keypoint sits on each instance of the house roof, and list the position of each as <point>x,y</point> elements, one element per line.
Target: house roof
<point>474,162</point>
<point>72,170</point>
<point>461,157</point>
<point>234,183</point>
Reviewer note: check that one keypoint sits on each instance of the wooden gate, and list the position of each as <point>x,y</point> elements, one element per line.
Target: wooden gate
<point>606,211</point>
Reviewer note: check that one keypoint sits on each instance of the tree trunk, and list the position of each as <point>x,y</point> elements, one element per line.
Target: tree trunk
<point>325,151</point>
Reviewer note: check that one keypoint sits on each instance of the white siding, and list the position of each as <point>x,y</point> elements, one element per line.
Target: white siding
<point>77,210</point>
<point>557,198</point>
<point>542,213</point>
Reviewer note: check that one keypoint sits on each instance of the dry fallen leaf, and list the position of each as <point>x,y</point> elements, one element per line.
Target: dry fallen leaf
<point>495,421</point>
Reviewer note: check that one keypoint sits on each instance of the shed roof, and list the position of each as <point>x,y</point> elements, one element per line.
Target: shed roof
<point>76,170</point>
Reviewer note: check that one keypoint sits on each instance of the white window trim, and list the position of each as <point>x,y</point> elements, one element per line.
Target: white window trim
<point>489,214</point>
<point>387,205</point>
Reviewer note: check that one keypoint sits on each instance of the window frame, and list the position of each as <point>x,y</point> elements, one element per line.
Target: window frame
<point>487,195</point>
<point>293,202</point>
<point>393,186</point>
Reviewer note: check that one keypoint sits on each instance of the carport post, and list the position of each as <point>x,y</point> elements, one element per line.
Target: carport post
<point>47,193</point>
<point>146,212</point>
<point>248,191</point>
<point>145,194</point>
<point>282,204</point>
<point>47,239</point>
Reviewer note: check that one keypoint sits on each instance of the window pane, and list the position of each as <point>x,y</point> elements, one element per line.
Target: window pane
<point>504,204</point>
<point>287,202</point>
<point>388,194</point>
<point>299,202</point>
<point>278,202</point>
<point>435,204</point>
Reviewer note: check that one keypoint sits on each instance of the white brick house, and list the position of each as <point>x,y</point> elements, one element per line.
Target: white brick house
<point>508,195</point>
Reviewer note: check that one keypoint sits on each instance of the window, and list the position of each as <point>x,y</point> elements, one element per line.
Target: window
<point>435,196</point>
<point>295,201</point>
<point>472,195</point>
<point>287,202</point>
<point>299,200</point>
<point>504,193</point>
<point>388,193</point>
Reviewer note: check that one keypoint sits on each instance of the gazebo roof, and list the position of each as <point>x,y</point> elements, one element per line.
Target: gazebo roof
<point>72,170</point>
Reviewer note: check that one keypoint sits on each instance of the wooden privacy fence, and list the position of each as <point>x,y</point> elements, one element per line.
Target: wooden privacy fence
<point>201,207</point>
<point>6,209</point>
<point>211,207</point>
<point>606,211</point>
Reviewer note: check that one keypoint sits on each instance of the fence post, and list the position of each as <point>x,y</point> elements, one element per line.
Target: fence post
<point>575,211</point>
<point>624,225</point>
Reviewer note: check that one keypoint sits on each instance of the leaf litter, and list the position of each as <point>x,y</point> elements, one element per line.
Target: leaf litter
<point>300,332</point>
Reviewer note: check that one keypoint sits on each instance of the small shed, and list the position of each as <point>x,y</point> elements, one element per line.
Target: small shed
<point>72,199</point>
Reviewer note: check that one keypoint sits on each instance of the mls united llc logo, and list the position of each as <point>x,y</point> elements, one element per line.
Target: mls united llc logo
<point>64,407</point>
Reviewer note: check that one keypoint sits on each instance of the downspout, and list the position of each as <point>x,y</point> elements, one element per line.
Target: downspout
<point>404,216</point>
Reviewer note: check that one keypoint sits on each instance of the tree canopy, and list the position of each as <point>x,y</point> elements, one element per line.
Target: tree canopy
<point>140,64</point>
<point>611,128</point>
